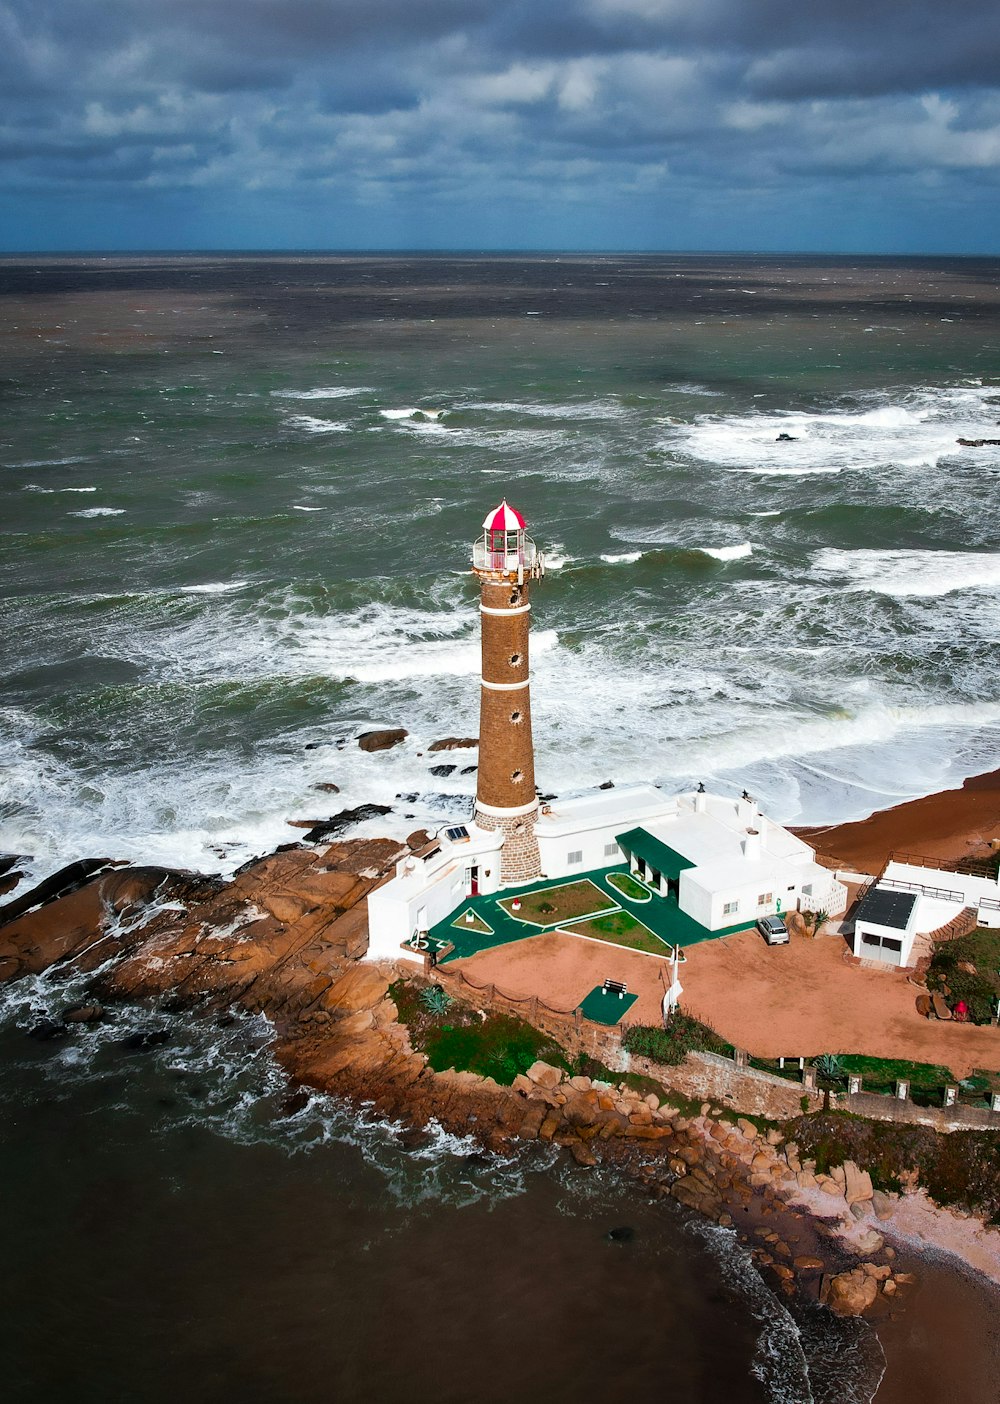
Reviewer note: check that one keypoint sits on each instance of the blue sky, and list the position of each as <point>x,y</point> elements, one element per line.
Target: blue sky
<point>829,125</point>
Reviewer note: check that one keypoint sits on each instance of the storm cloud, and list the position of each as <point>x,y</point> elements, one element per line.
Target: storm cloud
<point>519,123</point>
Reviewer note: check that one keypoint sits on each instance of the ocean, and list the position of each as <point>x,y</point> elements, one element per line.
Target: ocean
<point>239,499</point>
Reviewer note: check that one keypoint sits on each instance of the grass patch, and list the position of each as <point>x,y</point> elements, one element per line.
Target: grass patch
<point>621,929</point>
<point>927,1080</point>
<point>551,906</point>
<point>501,1046</point>
<point>978,986</point>
<point>681,1036</point>
<point>629,887</point>
<point>476,924</point>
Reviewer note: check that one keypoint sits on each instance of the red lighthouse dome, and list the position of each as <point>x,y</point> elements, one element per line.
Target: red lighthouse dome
<point>503,547</point>
<point>504,518</point>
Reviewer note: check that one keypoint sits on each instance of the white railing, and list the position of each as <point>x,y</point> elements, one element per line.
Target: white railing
<point>528,558</point>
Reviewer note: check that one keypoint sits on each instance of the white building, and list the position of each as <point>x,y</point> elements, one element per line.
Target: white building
<point>723,862</point>
<point>429,884</point>
<point>917,897</point>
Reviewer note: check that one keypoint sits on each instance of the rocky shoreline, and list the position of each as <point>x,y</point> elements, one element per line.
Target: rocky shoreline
<point>283,939</point>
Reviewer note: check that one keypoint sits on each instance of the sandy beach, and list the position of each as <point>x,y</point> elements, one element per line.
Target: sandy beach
<point>953,824</point>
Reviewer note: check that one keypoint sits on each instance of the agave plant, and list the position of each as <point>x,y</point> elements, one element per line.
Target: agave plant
<point>435,1000</point>
<point>830,1068</point>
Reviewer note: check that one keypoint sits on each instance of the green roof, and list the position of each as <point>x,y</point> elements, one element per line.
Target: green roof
<point>661,856</point>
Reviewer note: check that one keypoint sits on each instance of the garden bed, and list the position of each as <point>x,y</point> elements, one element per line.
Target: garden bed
<point>629,887</point>
<point>619,928</point>
<point>551,906</point>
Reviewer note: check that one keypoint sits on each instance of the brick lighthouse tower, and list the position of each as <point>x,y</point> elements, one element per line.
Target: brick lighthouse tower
<point>505,560</point>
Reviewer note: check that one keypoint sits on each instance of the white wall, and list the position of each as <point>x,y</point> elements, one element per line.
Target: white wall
<point>395,908</point>
<point>554,850</point>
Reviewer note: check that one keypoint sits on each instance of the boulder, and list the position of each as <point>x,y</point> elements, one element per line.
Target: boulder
<point>868,1242</point>
<point>454,743</point>
<point>327,787</point>
<point>382,740</point>
<point>850,1293</point>
<point>882,1205</point>
<point>83,1014</point>
<point>544,1075</point>
<point>858,1183</point>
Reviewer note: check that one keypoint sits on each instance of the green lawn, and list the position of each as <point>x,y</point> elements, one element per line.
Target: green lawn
<point>476,924</point>
<point>621,929</point>
<point>629,887</point>
<point>562,902</point>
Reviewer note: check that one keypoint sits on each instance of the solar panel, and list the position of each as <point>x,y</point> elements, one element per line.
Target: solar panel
<point>457,833</point>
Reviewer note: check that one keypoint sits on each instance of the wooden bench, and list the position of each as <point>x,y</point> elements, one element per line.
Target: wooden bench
<point>617,987</point>
<point>940,1006</point>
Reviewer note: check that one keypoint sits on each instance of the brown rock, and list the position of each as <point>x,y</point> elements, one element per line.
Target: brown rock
<point>549,1126</point>
<point>382,740</point>
<point>850,1293</point>
<point>858,1183</point>
<point>806,1263</point>
<point>544,1075</point>
<point>454,743</point>
<point>360,987</point>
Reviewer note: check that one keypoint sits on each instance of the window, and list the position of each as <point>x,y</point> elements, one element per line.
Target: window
<point>807,889</point>
<point>515,718</point>
<point>730,908</point>
<point>516,777</point>
<point>611,850</point>
<point>576,856</point>
<point>766,898</point>
<point>515,660</point>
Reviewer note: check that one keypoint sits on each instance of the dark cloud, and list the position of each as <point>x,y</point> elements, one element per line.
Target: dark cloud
<point>542,105</point>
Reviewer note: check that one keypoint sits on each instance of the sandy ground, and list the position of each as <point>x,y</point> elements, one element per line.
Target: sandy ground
<point>804,999</point>
<point>954,824</point>
<point>562,970</point>
<point>797,1000</point>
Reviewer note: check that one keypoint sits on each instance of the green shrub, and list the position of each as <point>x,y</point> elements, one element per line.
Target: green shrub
<point>681,1036</point>
<point>435,1000</point>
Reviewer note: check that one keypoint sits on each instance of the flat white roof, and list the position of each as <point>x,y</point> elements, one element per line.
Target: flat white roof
<point>625,805</point>
<point>718,834</point>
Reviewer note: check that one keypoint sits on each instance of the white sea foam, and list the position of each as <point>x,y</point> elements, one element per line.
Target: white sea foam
<point>34,487</point>
<point>583,409</point>
<point>919,573</point>
<point>297,508</point>
<point>918,431</point>
<point>98,512</point>
<point>309,424</point>
<point>623,558</point>
<point>727,553</point>
<point>213,587</point>
<point>324,392</point>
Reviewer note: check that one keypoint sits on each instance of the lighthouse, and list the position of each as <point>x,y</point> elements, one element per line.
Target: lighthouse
<point>505,560</point>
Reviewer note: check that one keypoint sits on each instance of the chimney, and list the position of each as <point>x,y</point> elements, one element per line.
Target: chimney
<point>700,800</point>
<point>751,846</point>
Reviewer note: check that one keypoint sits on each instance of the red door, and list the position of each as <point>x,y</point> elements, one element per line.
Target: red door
<point>474,882</point>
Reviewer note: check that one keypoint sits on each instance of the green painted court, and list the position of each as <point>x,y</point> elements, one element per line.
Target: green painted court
<point>605,1007</point>
<point>593,907</point>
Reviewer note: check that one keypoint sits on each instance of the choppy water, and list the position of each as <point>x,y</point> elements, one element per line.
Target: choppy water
<point>238,498</point>
<point>172,1232</point>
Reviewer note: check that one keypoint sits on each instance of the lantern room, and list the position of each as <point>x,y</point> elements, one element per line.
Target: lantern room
<point>504,548</point>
